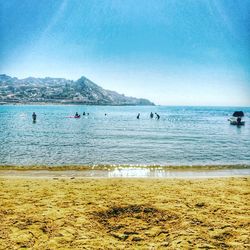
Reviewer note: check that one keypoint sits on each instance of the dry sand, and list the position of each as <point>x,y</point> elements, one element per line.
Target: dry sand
<point>124,213</point>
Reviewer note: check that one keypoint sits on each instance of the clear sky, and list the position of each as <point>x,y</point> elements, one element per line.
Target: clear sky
<point>173,52</point>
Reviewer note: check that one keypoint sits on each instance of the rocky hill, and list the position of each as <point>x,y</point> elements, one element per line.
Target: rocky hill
<point>60,90</point>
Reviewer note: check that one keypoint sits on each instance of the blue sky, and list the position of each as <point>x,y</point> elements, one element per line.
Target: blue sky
<point>174,52</point>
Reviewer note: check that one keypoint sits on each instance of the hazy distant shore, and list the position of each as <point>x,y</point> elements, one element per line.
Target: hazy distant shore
<point>63,91</point>
<point>70,103</point>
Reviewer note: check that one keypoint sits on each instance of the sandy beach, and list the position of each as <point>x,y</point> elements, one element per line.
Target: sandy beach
<point>118,213</point>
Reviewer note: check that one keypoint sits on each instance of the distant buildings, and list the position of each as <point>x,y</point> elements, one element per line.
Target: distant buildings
<point>59,90</point>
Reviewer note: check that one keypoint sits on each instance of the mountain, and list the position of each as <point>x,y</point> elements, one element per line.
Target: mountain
<point>60,90</point>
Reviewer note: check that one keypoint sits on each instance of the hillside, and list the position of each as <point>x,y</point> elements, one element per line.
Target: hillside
<point>60,90</point>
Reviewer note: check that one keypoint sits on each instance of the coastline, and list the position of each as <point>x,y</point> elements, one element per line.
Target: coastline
<point>113,167</point>
<point>89,104</point>
<point>119,213</point>
<point>70,104</point>
<point>112,171</point>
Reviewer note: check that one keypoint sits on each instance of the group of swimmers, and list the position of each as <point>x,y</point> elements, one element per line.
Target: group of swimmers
<point>84,113</point>
<point>78,116</point>
<point>151,116</point>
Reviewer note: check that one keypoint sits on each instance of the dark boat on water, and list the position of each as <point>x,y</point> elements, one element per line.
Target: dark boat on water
<point>236,118</point>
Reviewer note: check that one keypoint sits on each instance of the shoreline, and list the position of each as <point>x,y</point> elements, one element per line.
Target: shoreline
<point>109,167</point>
<point>112,172</point>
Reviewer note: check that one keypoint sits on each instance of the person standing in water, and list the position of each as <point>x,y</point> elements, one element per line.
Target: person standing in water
<point>34,117</point>
<point>157,116</point>
<point>151,115</point>
<point>138,116</point>
<point>238,120</point>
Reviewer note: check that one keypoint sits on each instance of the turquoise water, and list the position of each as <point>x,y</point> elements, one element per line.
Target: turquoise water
<point>182,136</point>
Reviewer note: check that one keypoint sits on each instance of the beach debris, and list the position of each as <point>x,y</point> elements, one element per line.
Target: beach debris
<point>200,204</point>
<point>137,239</point>
<point>130,232</point>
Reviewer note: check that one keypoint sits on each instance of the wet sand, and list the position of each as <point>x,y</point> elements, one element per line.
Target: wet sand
<point>113,171</point>
<point>126,173</point>
<point>117,213</point>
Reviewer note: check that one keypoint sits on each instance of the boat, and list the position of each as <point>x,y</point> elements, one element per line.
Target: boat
<point>241,123</point>
<point>236,118</point>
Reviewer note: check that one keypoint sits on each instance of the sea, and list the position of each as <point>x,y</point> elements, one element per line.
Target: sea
<point>183,136</point>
